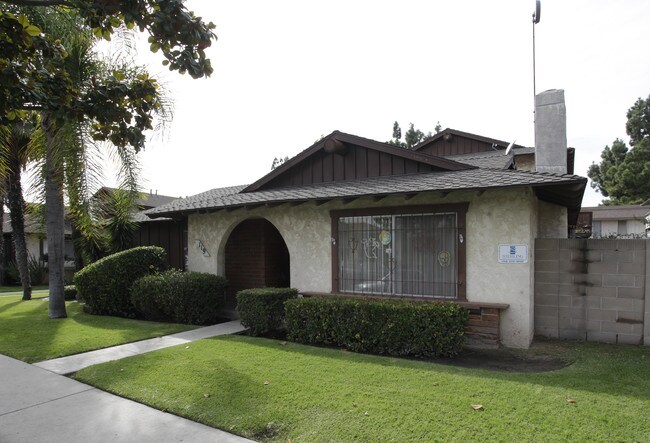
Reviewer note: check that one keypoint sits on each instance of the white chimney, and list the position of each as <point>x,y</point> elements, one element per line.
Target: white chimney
<point>550,132</point>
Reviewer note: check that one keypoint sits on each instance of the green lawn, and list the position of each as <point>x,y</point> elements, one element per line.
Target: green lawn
<point>4,289</point>
<point>26,333</point>
<point>270,390</point>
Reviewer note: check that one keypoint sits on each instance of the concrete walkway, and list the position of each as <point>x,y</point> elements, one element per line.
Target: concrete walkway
<point>38,406</point>
<point>73,363</point>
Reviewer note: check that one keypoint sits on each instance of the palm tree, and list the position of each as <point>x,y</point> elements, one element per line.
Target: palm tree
<point>68,162</point>
<point>15,142</point>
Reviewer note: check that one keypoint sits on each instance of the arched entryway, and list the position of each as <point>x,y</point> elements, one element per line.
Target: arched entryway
<point>255,256</point>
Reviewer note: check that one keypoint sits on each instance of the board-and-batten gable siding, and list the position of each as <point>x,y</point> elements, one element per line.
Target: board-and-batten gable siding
<point>166,234</point>
<point>357,163</point>
<point>456,146</point>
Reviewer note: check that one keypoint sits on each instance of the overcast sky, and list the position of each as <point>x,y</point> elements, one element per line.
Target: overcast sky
<point>287,72</point>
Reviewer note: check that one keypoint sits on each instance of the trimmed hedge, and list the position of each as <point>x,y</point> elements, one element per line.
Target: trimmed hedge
<point>393,327</point>
<point>261,310</point>
<point>105,284</point>
<point>70,292</point>
<point>182,297</point>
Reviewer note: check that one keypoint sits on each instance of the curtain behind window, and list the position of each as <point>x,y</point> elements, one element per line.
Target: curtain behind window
<point>406,254</point>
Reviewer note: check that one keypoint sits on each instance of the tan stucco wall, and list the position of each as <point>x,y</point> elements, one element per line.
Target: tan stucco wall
<point>494,217</point>
<point>305,229</point>
<point>552,221</point>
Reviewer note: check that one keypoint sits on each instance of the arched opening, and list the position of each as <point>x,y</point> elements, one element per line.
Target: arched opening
<point>256,256</point>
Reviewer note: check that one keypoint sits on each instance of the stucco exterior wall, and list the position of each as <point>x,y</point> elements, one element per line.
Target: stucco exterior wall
<point>305,230</point>
<point>33,245</point>
<point>494,217</point>
<point>552,221</point>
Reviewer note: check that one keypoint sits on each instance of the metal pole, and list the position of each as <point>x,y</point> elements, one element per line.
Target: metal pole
<point>534,85</point>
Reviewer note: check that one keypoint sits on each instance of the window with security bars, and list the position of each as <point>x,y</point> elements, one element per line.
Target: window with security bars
<point>399,254</point>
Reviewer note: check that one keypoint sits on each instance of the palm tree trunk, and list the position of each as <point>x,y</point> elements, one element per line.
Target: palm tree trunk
<point>17,214</point>
<point>2,245</point>
<point>54,219</point>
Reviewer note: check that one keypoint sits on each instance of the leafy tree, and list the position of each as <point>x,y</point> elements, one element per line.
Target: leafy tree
<point>116,108</point>
<point>623,174</point>
<point>277,161</point>
<point>638,121</point>
<point>412,136</point>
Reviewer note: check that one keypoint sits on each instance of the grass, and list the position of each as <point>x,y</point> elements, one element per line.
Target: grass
<point>274,391</point>
<point>26,333</point>
<point>4,289</point>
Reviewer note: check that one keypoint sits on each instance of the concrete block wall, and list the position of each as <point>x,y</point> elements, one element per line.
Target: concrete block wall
<point>593,289</point>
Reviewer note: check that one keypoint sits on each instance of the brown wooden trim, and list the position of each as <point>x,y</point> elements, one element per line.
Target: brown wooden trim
<point>461,264</point>
<point>409,209</point>
<point>461,215</point>
<point>335,254</point>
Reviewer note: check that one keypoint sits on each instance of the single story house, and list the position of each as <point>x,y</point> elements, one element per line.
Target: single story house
<point>453,219</point>
<point>36,240</point>
<point>617,220</point>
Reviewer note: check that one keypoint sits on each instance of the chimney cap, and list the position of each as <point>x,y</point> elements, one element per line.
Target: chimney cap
<point>550,97</point>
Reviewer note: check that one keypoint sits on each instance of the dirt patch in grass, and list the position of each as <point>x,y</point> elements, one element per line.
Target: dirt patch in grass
<point>506,360</point>
<point>543,356</point>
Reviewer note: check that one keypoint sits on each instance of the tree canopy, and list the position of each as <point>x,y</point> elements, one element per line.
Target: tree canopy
<point>117,106</point>
<point>623,173</point>
<point>33,75</point>
<point>412,136</point>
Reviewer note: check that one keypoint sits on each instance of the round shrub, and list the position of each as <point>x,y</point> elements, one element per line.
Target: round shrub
<point>261,310</point>
<point>70,292</point>
<point>105,284</point>
<point>182,297</point>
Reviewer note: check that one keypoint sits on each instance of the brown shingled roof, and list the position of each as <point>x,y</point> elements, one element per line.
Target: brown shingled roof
<point>568,188</point>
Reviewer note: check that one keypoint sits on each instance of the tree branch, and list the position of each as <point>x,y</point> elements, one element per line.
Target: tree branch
<point>38,2</point>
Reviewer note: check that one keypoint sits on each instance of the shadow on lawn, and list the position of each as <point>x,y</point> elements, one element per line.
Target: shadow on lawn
<point>618,370</point>
<point>26,329</point>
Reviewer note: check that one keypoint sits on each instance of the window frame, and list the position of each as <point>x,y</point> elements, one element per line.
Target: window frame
<point>460,209</point>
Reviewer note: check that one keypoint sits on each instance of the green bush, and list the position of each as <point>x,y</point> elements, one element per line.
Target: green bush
<point>70,292</point>
<point>393,327</point>
<point>36,268</point>
<point>262,309</point>
<point>182,297</point>
<point>105,284</point>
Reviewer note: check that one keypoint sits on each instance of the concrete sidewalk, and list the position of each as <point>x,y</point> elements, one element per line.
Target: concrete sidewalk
<point>73,363</point>
<point>37,406</point>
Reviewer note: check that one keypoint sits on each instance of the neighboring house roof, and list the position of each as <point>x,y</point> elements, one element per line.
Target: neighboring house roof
<point>484,159</point>
<point>147,199</point>
<point>145,202</point>
<point>620,212</point>
<point>474,179</point>
<point>33,225</point>
<point>347,167</point>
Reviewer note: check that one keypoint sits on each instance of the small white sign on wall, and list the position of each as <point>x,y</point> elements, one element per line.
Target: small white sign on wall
<point>513,253</point>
